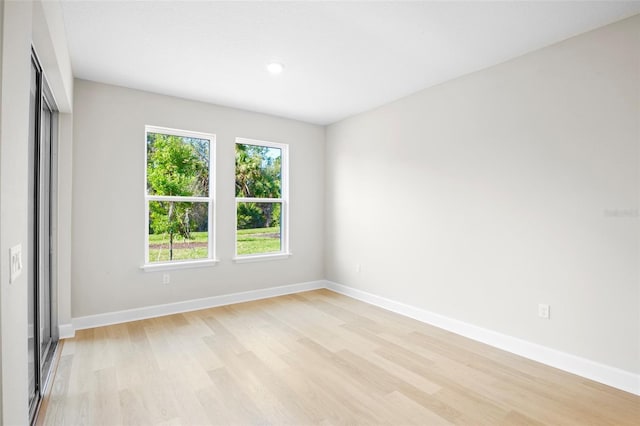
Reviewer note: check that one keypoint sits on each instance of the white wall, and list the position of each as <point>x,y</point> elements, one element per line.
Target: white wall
<point>23,22</point>
<point>13,204</point>
<point>3,265</point>
<point>108,200</point>
<point>479,198</point>
<point>64,222</point>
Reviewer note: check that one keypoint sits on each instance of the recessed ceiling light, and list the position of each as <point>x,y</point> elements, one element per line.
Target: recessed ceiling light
<point>275,67</point>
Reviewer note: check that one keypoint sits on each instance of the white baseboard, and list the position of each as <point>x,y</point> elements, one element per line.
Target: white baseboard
<point>118,317</point>
<point>592,370</point>
<point>66,331</point>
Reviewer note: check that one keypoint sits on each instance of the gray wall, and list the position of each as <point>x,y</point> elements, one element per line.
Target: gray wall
<point>14,207</point>
<point>108,200</point>
<point>479,198</point>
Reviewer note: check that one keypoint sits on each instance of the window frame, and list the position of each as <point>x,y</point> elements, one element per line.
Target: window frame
<point>283,199</point>
<point>210,199</point>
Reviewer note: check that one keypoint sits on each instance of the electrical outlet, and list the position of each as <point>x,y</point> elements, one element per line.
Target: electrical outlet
<point>166,278</point>
<point>15,263</point>
<point>358,269</point>
<point>544,311</point>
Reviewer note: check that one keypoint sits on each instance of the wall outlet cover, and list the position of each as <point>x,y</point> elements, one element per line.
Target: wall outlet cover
<point>544,311</point>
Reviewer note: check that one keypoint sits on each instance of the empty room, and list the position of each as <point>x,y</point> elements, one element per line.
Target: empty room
<point>319,212</point>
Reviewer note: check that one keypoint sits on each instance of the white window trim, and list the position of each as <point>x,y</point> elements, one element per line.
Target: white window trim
<point>247,258</point>
<point>179,264</point>
<point>284,199</point>
<point>211,260</point>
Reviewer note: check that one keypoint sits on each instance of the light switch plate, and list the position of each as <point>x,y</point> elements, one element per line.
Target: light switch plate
<point>15,262</point>
<point>544,311</point>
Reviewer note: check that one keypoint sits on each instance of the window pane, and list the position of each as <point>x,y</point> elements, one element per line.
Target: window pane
<point>258,171</point>
<point>178,231</point>
<point>177,165</point>
<point>258,228</point>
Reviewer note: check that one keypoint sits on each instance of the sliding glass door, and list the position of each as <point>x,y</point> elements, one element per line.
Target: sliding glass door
<point>42,337</point>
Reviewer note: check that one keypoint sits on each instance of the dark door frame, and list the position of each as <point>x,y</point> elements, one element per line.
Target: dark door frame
<point>42,174</point>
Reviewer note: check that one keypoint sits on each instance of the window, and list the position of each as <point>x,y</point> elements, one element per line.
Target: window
<point>261,199</point>
<point>179,197</point>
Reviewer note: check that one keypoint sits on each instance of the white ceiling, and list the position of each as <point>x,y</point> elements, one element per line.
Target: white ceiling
<point>340,58</point>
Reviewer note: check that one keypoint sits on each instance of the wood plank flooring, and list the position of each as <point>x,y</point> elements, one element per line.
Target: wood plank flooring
<point>311,358</point>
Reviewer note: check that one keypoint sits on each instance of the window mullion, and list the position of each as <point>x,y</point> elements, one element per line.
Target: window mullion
<point>178,198</point>
<point>258,200</point>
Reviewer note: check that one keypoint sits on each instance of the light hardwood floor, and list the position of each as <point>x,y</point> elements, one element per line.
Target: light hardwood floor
<point>311,358</point>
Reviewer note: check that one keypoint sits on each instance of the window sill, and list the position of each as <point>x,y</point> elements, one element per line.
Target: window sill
<point>261,257</point>
<point>166,266</point>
